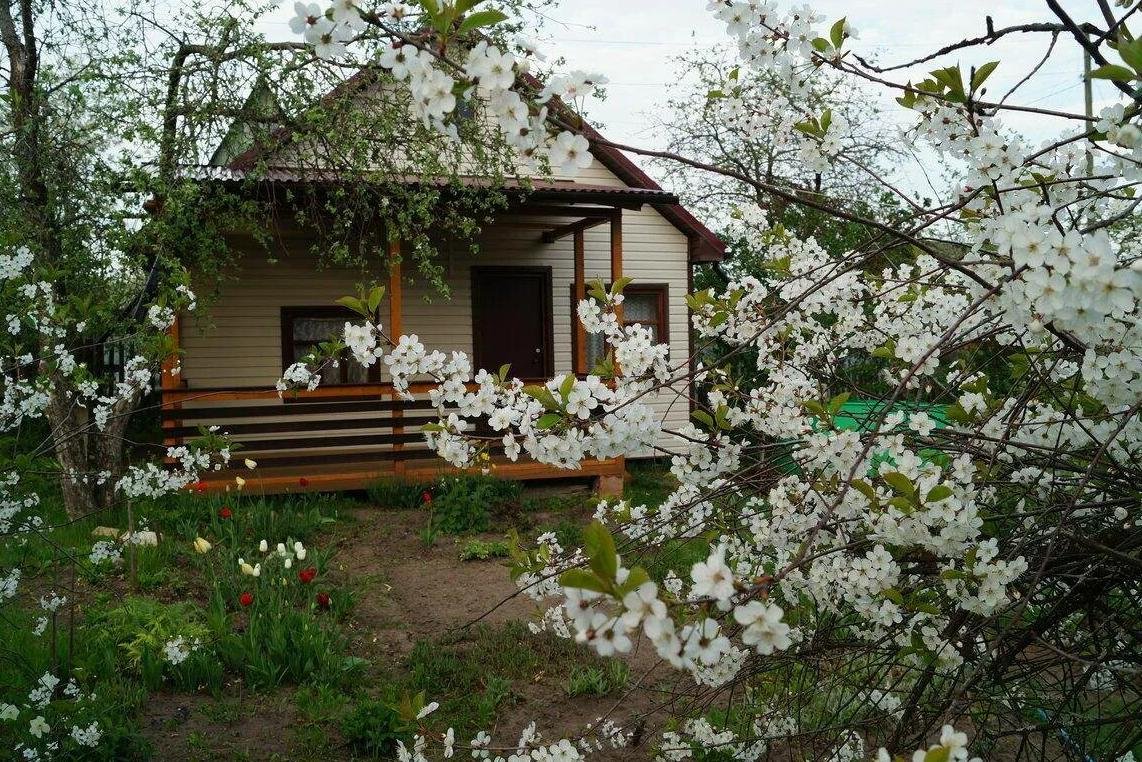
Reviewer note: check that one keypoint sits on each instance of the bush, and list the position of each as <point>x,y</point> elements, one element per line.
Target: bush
<point>463,504</point>
<point>373,728</point>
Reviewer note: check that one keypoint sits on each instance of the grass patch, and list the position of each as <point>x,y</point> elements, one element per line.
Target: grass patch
<point>593,680</point>
<point>398,494</point>
<point>483,550</point>
<point>472,676</point>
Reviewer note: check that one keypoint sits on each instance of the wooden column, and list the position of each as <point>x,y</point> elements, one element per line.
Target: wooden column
<point>613,485</point>
<point>171,379</point>
<point>580,360</point>
<point>395,329</point>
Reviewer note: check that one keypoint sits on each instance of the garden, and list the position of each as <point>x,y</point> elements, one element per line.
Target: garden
<point>887,360</point>
<point>310,626</point>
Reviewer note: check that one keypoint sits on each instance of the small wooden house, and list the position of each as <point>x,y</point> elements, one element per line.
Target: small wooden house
<point>513,303</point>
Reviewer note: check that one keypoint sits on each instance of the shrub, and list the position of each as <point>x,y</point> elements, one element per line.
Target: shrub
<point>481,550</point>
<point>373,728</point>
<point>464,504</point>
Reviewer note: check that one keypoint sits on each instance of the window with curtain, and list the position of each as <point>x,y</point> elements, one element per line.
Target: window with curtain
<point>643,303</point>
<point>303,328</point>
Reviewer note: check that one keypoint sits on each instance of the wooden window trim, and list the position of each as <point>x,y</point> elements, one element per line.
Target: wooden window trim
<point>661,290</point>
<point>289,314</point>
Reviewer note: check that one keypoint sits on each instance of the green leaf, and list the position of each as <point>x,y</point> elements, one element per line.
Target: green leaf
<point>867,490</point>
<point>893,595</point>
<point>938,493</point>
<point>463,6</point>
<point>547,420</point>
<point>543,394</point>
<point>714,95</point>
<point>826,120</point>
<point>837,402</point>
<point>375,297</point>
<point>821,45</point>
<point>637,576</point>
<point>1131,52</point>
<point>504,369</point>
<point>939,754</point>
<point>1112,71</point>
<point>704,418</point>
<point>600,548</point>
<point>583,580</point>
<point>618,286</point>
<point>566,387</point>
<point>816,408</point>
<point>837,33</point>
<point>982,73</point>
<point>431,7</point>
<point>480,19</point>
<point>900,483</point>
<point>355,304</point>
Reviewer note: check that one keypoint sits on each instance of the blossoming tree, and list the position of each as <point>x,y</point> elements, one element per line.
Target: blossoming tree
<point>958,549</point>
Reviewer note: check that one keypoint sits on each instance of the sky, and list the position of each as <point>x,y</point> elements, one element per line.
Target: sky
<point>634,43</point>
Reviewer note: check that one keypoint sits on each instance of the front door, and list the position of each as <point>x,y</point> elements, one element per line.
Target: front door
<point>511,320</point>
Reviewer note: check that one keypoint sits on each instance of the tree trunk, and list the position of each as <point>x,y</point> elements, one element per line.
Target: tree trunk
<point>108,454</point>
<point>70,438</point>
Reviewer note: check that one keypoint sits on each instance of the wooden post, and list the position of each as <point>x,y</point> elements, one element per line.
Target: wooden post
<point>171,379</point>
<point>580,359</point>
<point>396,315</point>
<point>609,486</point>
<point>617,259</point>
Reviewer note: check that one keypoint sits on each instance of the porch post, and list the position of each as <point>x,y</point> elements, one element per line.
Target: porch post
<point>396,314</point>
<point>580,359</point>
<point>611,485</point>
<point>171,378</point>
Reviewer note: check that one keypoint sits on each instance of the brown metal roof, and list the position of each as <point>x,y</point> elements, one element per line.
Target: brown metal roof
<point>536,190</point>
<point>704,244</point>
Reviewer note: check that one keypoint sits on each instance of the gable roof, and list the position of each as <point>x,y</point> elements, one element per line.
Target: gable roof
<point>703,244</point>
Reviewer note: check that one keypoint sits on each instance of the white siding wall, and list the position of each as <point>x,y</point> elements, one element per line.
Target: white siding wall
<point>237,342</point>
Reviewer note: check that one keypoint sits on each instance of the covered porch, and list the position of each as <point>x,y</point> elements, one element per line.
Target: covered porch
<point>355,431</point>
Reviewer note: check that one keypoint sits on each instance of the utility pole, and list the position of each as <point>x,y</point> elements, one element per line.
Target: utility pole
<point>1088,98</point>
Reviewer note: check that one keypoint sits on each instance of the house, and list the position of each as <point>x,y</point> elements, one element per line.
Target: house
<point>511,303</point>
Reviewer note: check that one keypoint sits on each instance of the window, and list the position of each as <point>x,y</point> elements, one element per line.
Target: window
<point>644,303</point>
<point>303,328</point>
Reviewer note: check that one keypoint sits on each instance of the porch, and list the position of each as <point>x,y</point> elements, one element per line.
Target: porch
<point>350,434</point>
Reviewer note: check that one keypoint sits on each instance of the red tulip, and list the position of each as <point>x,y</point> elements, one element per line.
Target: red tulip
<point>426,497</point>
<point>303,482</point>
<point>225,512</point>
<point>307,574</point>
<point>199,487</point>
<point>323,601</point>
<point>246,599</point>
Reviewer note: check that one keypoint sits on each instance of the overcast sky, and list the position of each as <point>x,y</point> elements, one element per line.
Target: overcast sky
<point>634,42</point>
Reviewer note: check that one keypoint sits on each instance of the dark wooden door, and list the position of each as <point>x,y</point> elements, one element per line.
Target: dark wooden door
<point>511,320</point>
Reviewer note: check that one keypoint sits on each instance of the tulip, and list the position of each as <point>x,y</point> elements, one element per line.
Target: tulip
<point>240,482</point>
<point>246,599</point>
<point>225,512</point>
<point>288,562</point>
<point>323,601</point>
<point>263,546</point>
<point>201,545</point>
<point>307,575</point>
<point>299,551</point>
<point>303,482</point>
<point>251,464</point>
<point>199,487</point>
